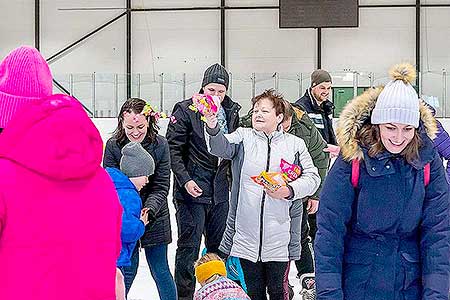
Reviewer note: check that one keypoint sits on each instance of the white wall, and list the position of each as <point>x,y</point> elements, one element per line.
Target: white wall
<point>188,41</point>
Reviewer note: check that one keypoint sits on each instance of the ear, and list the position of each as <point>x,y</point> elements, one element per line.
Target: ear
<point>280,118</point>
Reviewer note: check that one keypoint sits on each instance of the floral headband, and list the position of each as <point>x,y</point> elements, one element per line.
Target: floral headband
<point>150,111</point>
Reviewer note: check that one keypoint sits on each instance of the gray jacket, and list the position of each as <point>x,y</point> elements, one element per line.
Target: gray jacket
<point>261,228</point>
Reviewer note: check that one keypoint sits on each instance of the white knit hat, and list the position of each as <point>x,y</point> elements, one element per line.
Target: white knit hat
<point>398,102</point>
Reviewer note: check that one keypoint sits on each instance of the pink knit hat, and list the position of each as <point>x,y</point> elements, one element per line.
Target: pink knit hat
<point>24,77</point>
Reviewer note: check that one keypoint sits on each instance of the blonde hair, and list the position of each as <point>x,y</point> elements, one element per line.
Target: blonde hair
<point>209,267</point>
<point>206,258</point>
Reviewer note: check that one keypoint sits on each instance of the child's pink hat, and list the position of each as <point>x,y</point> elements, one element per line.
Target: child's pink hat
<point>24,77</point>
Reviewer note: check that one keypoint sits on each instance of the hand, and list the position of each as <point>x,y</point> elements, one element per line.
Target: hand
<point>193,189</point>
<point>282,193</point>
<point>144,217</point>
<point>211,119</point>
<point>312,206</point>
<point>333,150</point>
<point>120,285</point>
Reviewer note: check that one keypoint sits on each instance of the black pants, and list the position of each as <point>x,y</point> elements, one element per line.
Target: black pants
<point>193,221</point>
<point>306,263</point>
<point>266,277</point>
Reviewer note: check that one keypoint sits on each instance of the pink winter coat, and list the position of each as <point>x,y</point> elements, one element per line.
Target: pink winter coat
<point>59,212</point>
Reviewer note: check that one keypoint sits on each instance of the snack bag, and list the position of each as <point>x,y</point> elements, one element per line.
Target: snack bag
<point>289,171</point>
<point>270,180</point>
<point>204,103</point>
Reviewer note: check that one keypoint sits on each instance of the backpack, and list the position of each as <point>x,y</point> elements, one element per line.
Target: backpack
<point>355,173</point>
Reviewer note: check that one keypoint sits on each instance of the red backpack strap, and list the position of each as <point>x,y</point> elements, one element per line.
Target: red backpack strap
<point>355,172</point>
<point>426,174</point>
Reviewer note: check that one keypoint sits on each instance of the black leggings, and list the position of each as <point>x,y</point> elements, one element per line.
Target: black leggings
<point>266,277</point>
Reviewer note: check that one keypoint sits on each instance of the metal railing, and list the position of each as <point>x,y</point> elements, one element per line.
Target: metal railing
<point>103,94</point>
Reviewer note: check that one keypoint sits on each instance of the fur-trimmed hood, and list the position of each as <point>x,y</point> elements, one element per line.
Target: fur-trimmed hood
<point>357,113</point>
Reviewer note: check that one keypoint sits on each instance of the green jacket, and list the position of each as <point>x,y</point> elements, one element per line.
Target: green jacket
<point>304,128</point>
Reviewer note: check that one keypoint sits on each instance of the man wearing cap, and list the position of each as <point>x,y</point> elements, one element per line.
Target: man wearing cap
<point>201,187</point>
<point>316,104</point>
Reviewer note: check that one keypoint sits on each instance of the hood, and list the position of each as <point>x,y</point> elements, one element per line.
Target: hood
<point>121,181</point>
<point>54,138</point>
<point>357,113</point>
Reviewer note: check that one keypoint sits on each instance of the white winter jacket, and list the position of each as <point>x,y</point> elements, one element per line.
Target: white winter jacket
<point>261,228</point>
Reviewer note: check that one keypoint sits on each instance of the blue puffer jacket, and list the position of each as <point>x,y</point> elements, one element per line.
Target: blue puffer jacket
<point>388,238</point>
<point>132,227</point>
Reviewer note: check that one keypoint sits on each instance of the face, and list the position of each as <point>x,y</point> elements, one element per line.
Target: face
<point>264,116</point>
<point>139,182</point>
<point>287,124</point>
<point>135,126</point>
<point>215,89</point>
<point>395,137</point>
<point>321,91</point>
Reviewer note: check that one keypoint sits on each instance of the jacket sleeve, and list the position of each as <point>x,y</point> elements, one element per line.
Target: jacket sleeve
<point>2,214</point>
<point>109,159</point>
<point>157,189</point>
<point>320,158</point>
<point>132,227</point>
<point>222,145</point>
<point>177,137</point>
<point>333,216</point>
<point>442,143</point>
<point>309,180</point>
<point>435,234</point>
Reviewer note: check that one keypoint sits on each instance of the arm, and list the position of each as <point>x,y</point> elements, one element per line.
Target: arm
<point>435,234</point>
<point>320,158</point>
<point>334,214</point>
<point>109,160</point>
<point>156,191</point>
<point>309,180</point>
<point>442,143</point>
<point>132,227</point>
<point>177,137</point>
<point>222,145</point>
<point>2,214</point>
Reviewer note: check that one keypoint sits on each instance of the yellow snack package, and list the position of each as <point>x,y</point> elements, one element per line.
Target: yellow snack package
<point>270,180</point>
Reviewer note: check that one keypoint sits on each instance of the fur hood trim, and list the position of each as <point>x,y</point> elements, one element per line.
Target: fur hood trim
<point>357,113</point>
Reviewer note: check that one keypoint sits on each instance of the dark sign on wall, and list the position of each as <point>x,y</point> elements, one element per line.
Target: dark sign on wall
<point>318,13</point>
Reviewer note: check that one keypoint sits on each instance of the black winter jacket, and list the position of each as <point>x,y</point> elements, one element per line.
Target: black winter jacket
<point>190,158</point>
<point>320,115</point>
<point>154,194</point>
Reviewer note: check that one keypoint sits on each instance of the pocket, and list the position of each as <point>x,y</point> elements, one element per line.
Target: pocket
<point>357,270</point>
<point>204,179</point>
<point>412,284</point>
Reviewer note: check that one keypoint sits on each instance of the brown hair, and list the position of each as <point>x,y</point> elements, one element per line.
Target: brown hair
<point>206,258</point>
<point>369,136</point>
<point>288,110</point>
<point>136,106</point>
<point>276,99</point>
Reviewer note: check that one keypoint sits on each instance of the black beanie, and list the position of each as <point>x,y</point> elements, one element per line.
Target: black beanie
<point>136,161</point>
<point>216,74</point>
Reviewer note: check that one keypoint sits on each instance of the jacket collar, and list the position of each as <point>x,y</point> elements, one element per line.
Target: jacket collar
<point>277,134</point>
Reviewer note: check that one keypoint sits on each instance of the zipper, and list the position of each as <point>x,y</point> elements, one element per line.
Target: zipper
<point>263,200</point>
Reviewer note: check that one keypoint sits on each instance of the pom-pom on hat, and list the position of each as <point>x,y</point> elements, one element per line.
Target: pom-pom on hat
<point>136,161</point>
<point>398,102</point>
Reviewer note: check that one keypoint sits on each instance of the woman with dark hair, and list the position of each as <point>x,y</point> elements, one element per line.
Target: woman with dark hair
<point>137,123</point>
<point>383,218</point>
